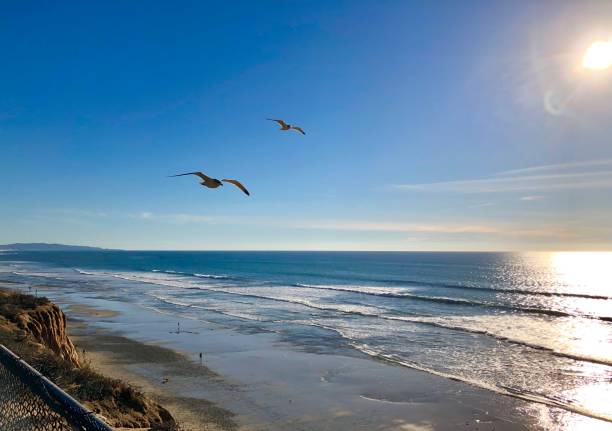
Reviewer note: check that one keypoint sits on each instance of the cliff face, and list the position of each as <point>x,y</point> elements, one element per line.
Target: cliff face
<point>40,321</point>
<point>35,328</point>
<point>46,324</point>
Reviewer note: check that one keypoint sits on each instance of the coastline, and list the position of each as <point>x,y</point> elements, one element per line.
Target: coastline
<point>284,386</point>
<point>167,375</point>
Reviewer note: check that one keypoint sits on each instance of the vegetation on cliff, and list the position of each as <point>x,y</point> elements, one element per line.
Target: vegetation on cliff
<point>35,329</point>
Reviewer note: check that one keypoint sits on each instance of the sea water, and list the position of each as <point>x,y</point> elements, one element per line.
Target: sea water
<point>536,326</point>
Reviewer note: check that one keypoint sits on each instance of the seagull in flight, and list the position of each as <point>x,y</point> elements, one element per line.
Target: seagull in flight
<point>213,183</point>
<point>285,126</point>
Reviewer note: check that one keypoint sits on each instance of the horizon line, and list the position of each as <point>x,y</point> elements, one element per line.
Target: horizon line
<point>106,249</point>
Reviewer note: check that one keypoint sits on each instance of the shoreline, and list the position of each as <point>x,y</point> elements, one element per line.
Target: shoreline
<point>148,364</point>
<point>284,386</point>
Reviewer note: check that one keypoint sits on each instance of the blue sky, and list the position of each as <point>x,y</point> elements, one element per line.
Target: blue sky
<point>430,126</point>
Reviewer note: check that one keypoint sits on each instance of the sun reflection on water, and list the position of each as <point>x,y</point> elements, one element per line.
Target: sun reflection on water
<point>584,272</point>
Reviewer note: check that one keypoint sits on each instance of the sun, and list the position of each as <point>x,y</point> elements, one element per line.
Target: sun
<point>598,56</point>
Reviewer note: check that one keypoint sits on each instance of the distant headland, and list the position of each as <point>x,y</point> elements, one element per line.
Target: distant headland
<point>42,246</point>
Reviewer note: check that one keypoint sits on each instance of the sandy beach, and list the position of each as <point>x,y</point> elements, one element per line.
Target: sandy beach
<point>115,356</point>
<point>282,387</point>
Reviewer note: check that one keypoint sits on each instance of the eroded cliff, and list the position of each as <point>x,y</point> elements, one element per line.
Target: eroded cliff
<point>35,329</point>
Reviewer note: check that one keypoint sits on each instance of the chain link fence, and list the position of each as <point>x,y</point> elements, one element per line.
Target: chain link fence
<point>31,402</point>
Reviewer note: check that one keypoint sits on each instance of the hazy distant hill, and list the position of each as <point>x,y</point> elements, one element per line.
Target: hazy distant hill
<point>41,246</point>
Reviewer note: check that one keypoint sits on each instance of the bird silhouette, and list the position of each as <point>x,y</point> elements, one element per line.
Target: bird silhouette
<point>285,126</point>
<point>213,183</point>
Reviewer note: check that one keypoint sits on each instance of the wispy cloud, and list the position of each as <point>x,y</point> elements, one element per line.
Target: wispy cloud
<point>532,198</point>
<point>173,218</point>
<point>448,230</point>
<point>527,179</point>
<point>456,231</point>
<point>362,225</point>
<point>415,229</point>
<point>78,212</point>
<point>320,224</point>
<point>482,205</point>
<point>559,167</point>
<point>70,215</point>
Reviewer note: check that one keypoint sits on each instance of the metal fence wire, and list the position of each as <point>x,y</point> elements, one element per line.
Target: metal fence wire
<point>31,402</point>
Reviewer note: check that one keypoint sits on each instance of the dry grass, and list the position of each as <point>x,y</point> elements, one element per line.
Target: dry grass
<point>124,405</point>
<point>14,303</point>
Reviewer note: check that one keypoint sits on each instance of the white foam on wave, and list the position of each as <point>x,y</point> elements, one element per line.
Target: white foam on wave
<point>523,330</point>
<point>236,314</point>
<point>157,278</point>
<point>369,350</point>
<point>213,276</point>
<point>370,290</point>
<point>600,313</point>
<point>37,274</point>
<point>170,271</point>
<point>525,395</point>
<point>553,335</point>
<point>80,271</point>
<point>172,301</point>
<point>172,281</point>
<point>393,293</point>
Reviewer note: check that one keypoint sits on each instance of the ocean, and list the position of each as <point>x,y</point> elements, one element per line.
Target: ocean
<point>536,326</point>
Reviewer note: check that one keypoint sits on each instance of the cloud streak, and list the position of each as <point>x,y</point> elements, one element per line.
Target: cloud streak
<point>78,212</point>
<point>536,178</point>
<point>474,232</point>
<point>367,226</point>
<point>173,218</point>
<point>444,229</point>
<point>318,224</point>
<point>418,229</point>
<point>558,167</point>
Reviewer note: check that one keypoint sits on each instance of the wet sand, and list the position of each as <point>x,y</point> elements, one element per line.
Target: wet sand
<point>89,311</point>
<point>116,356</point>
<point>273,386</point>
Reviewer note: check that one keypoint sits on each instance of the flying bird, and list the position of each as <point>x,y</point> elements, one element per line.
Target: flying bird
<point>285,126</point>
<point>213,183</point>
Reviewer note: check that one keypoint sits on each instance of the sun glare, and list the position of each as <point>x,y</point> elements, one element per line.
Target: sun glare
<point>590,272</point>
<point>598,56</point>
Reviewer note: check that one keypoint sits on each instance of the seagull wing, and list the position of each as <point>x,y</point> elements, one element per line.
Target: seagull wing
<point>299,129</point>
<point>280,122</point>
<point>199,174</point>
<point>239,185</point>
